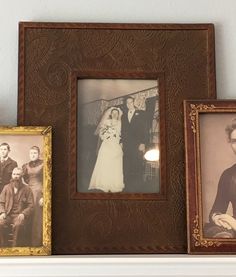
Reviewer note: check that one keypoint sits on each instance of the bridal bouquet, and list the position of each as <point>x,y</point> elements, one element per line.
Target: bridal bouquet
<point>108,132</point>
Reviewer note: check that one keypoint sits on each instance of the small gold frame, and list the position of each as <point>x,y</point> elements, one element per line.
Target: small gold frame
<point>46,132</point>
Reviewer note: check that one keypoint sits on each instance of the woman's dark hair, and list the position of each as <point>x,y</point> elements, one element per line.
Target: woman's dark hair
<point>230,128</point>
<point>35,148</point>
<point>115,109</point>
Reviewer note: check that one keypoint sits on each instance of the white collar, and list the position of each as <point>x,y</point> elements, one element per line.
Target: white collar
<point>4,159</point>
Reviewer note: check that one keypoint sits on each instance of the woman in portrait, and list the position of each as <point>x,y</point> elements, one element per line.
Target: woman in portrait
<point>108,171</point>
<point>223,225</point>
<point>33,176</point>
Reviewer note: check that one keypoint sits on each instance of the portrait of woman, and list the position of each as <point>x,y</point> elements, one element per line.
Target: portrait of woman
<point>33,176</point>
<point>107,175</point>
<point>222,222</point>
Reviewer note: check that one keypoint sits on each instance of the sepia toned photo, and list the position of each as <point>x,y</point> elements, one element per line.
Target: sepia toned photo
<point>118,136</point>
<point>210,138</point>
<point>218,171</point>
<point>25,154</point>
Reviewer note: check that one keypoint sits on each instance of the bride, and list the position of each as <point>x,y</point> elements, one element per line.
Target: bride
<point>108,171</point>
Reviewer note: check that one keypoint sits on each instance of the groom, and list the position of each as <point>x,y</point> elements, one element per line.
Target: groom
<point>134,136</point>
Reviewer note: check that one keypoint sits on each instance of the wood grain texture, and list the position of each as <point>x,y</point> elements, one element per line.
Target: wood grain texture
<point>49,53</point>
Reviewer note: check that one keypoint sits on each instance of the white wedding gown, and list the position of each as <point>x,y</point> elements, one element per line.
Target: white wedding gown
<point>108,171</point>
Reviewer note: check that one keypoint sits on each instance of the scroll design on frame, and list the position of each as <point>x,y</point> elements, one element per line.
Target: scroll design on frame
<point>197,237</point>
<point>194,110</point>
<point>117,51</point>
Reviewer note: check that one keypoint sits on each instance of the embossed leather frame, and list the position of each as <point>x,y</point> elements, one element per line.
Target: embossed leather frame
<point>49,54</point>
<point>198,241</point>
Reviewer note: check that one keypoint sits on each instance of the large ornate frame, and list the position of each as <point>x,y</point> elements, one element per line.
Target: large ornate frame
<point>49,53</point>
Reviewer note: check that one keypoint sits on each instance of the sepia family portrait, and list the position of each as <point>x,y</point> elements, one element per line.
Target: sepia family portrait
<point>118,136</point>
<point>21,191</point>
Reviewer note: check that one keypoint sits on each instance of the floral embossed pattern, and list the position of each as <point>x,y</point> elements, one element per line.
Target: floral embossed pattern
<point>49,54</point>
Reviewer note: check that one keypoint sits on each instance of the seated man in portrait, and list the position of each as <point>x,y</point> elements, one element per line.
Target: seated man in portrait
<point>16,206</point>
<point>223,225</point>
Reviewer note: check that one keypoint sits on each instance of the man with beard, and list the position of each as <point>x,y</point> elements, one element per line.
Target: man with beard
<point>6,165</point>
<point>16,206</point>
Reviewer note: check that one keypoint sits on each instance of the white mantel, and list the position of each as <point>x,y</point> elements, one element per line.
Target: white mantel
<point>130,265</point>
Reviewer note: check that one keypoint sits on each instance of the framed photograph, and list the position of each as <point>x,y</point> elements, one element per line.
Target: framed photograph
<point>119,150</point>
<point>210,132</point>
<point>113,94</point>
<point>25,191</point>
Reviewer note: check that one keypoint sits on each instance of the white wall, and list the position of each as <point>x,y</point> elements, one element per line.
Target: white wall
<point>220,12</point>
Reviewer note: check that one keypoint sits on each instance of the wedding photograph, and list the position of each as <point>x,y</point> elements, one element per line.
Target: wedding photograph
<point>118,136</point>
<point>218,171</point>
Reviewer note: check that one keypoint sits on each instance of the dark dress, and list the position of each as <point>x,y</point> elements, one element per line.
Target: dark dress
<point>133,134</point>
<point>33,176</point>
<point>226,193</point>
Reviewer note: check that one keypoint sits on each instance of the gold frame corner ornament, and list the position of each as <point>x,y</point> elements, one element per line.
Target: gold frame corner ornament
<point>198,241</point>
<point>195,109</point>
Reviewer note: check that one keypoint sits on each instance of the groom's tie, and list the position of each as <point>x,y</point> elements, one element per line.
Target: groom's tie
<point>130,114</point>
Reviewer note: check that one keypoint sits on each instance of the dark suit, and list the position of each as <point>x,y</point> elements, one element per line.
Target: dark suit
<point>14,204</point>
<point>133,134</point>
<point>6,169</point>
